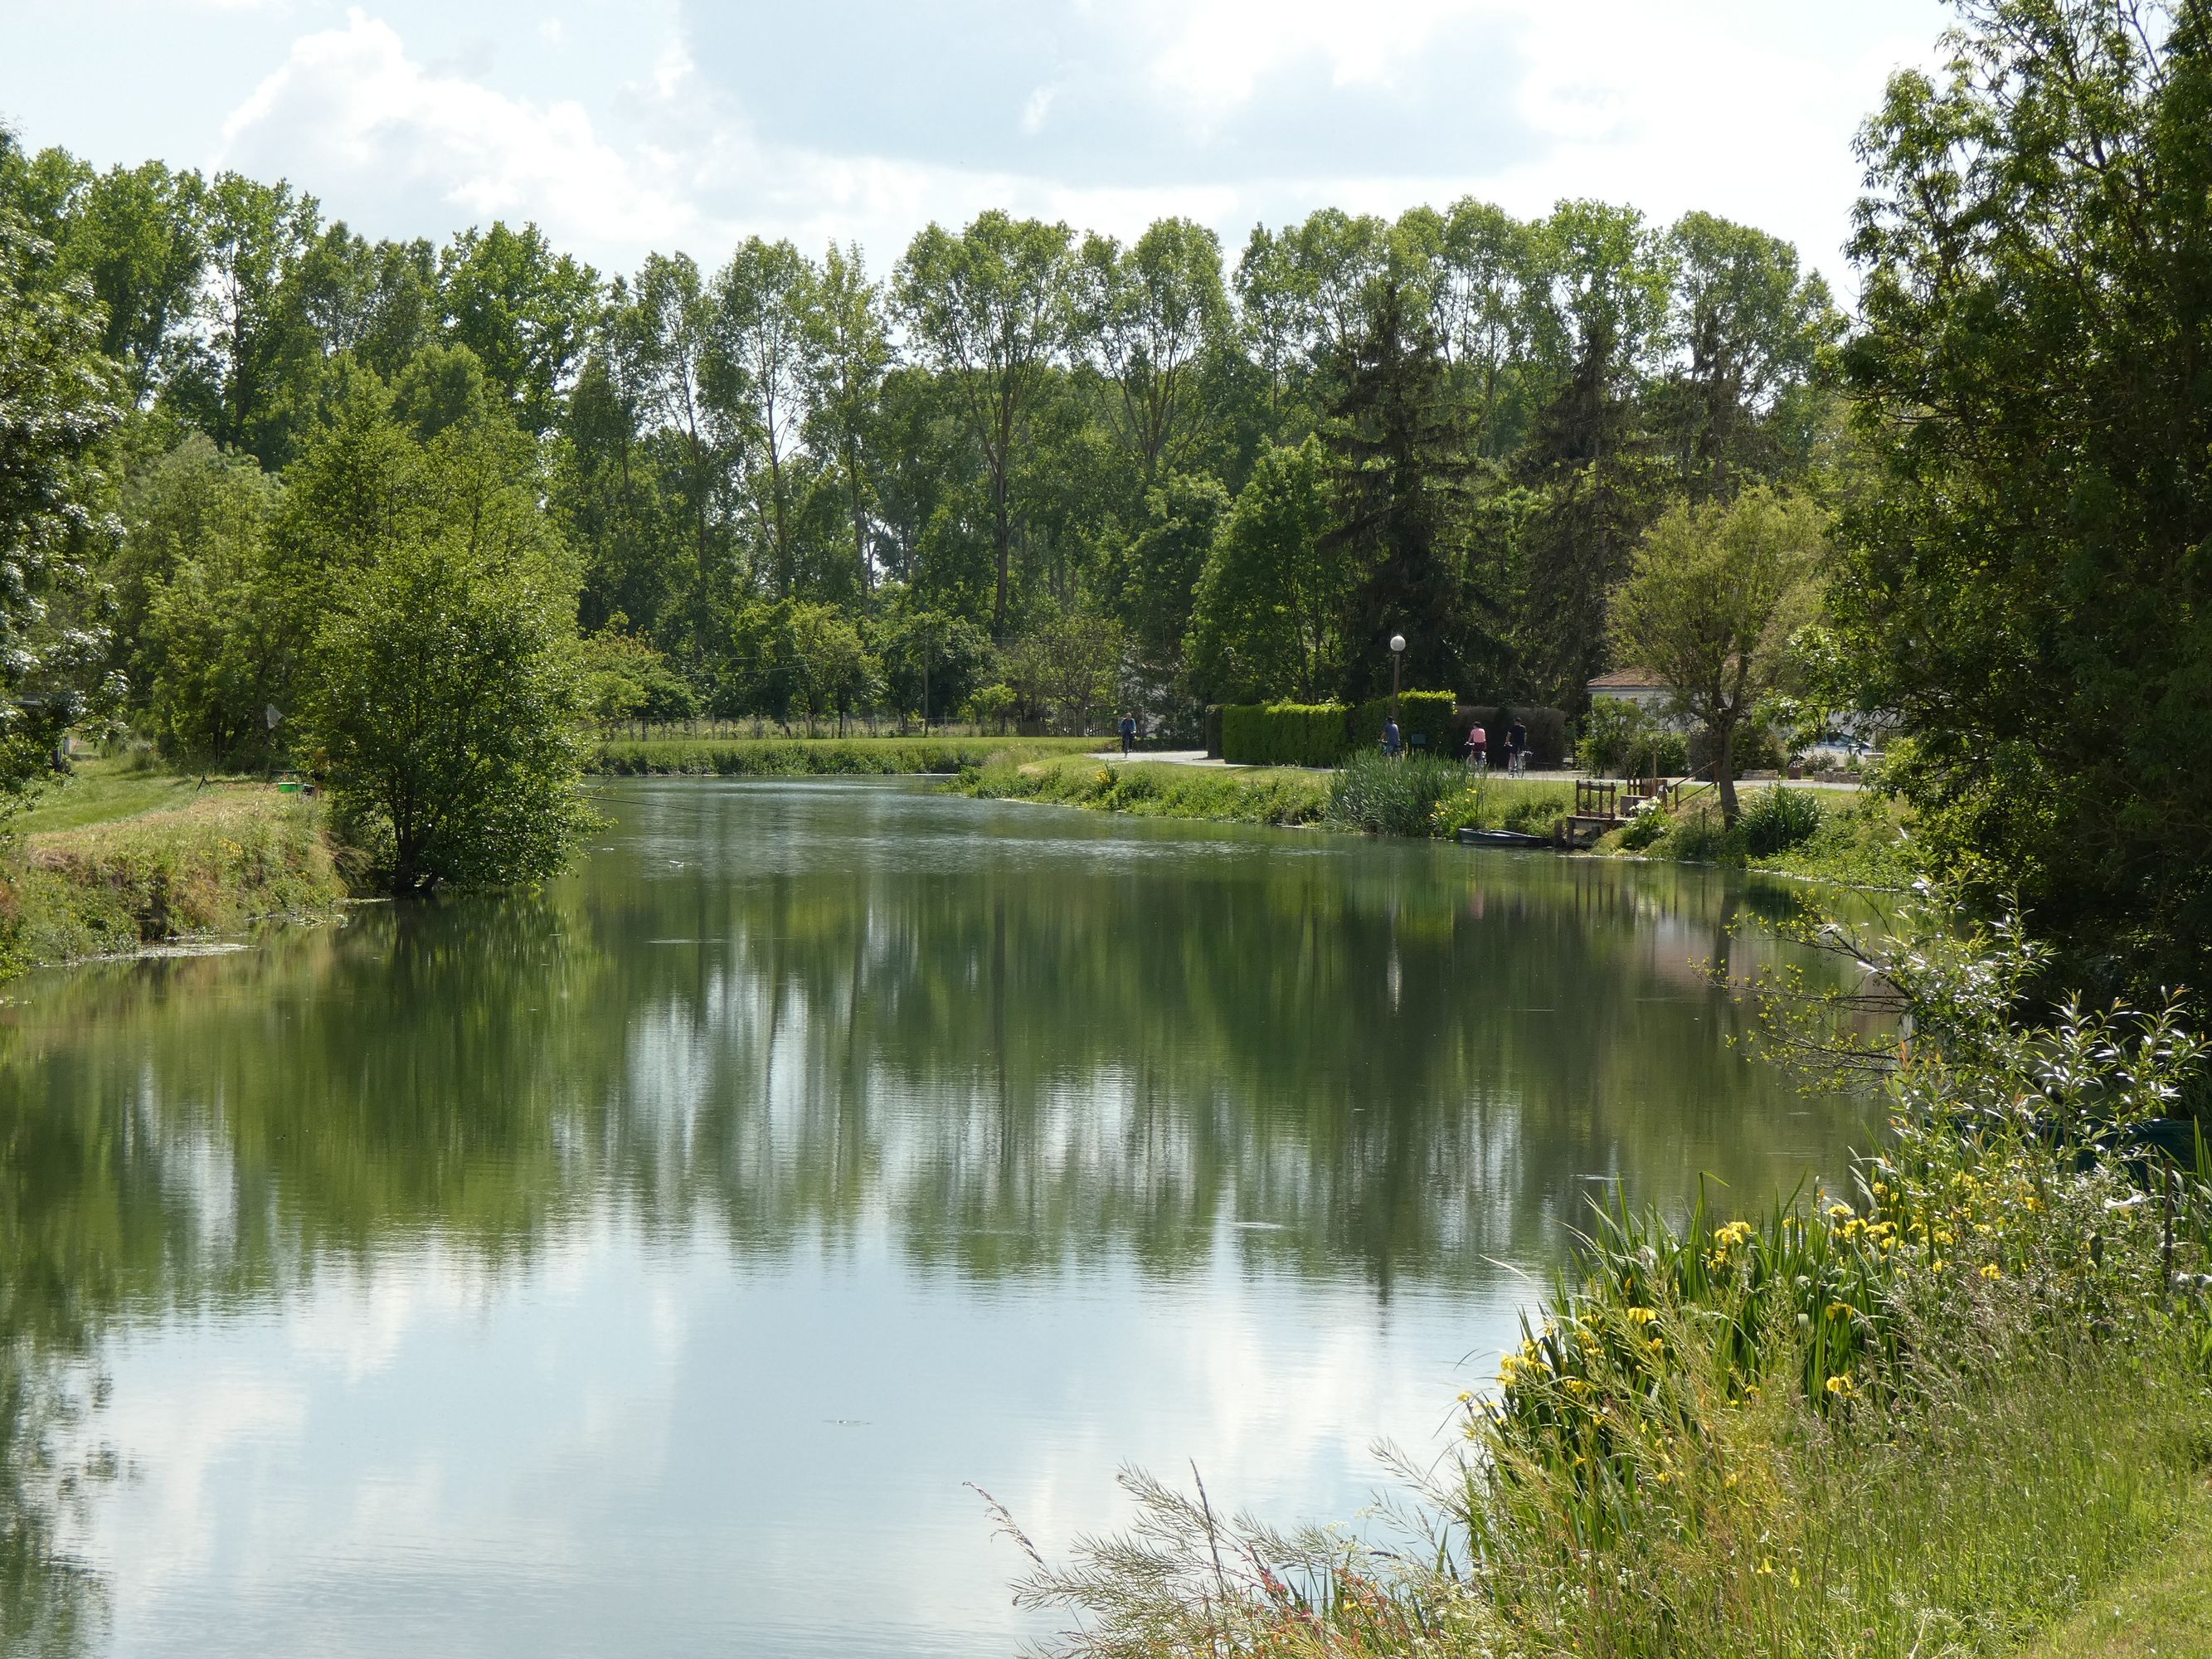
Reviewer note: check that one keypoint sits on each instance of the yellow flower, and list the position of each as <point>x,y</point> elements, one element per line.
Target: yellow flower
<point>1657,1343</point>
<point>1641,1315</point>
<point>1841,1386</point>
<point>1990,1270</point>
<point>1836,1211</point>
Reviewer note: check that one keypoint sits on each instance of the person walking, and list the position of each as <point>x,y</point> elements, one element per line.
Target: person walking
<point>1128,733</point>
<point>1517,745</point>
<point>1390,738</point>
<point>1478,745</point>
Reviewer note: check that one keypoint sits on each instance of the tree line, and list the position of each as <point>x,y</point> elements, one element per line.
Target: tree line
<point>1044,475</point>
<point>1023,471</point>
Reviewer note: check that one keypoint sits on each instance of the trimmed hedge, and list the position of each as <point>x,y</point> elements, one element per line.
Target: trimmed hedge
<point>1284,733</point>
<point>1433,715</point>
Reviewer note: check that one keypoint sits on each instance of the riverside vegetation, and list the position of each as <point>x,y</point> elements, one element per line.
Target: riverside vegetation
<point>138,856</point>
<point>1853,838</point>
<point>1929,1414</point>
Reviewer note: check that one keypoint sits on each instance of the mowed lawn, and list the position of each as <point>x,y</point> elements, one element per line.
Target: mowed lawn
<point>100,791</point>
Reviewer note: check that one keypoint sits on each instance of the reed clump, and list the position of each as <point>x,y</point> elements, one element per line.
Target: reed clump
<point>1925,1415</point>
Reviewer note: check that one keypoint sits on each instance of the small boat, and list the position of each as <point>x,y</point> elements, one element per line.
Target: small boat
<point>1501,838</point>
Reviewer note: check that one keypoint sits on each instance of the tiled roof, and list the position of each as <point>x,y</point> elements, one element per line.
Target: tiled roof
<point>1629,680</point>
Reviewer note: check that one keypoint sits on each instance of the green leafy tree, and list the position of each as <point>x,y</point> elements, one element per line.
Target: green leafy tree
<point>196,602</point>
<point>136,237</point>
<point>524,310</point>
<point>759,314</point>
<point>930,660</point>
<point>1597,303</point>
<point>668,333</point>
<point>2024,584</point>
<point>1152,576</point>
<point>59,398</point>
<point>253,233</point>
<point>444,714</point>
<point>1268,615</point>
<point>988,310</point>
<point>1748,328</point>
<point>1399,479</point>
<point>1144,316</point>
<point>846,352</point>
<point>1064,668</point>
<point>832,672</point>
<point>1716,593</point>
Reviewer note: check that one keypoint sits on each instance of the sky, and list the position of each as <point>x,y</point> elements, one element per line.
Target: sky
<point>661,124</point>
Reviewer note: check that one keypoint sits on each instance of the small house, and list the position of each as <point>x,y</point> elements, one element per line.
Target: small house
<point>1639,686</point>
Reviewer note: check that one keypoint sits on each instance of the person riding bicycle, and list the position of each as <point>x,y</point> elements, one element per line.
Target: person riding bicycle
<point>1478,747</point>
<point>1517,744</point>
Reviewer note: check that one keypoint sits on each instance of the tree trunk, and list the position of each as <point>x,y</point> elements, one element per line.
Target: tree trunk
<point>1724,774</point>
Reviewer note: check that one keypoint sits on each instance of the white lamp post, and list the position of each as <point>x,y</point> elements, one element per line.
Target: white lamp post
<point>1397,656</point>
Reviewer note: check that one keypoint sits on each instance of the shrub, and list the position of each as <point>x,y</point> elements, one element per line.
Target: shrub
<point>1613,724</point>
<point>1643,830</point>
<point>1284,733</point>
<point>1659,752</point>
<point>1393,797</point>
<point>1700,837</point>
<point>1778,819</point>
<point>1621,740</point>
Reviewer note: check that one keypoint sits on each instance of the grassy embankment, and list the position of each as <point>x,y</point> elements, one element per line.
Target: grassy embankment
<point>818,756</point>
<point>1964,1408</point>
<point>1827,835</point>
<point>120,856</point>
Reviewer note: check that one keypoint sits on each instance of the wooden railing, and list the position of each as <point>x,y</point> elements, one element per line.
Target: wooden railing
<point>1594,799</point>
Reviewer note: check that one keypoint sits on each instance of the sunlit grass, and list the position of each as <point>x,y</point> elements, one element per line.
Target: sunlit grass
<point>1157,789</point>
<point>210,865</point>
<point>101,789</point>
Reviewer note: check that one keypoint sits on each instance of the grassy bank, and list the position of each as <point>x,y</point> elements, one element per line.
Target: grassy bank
<point>1155,789</point>
<point>116,859</point>
<point>741,757</point>
<point>1415,798</point>
<point>1962,1406</point>
<point>1854,837</point>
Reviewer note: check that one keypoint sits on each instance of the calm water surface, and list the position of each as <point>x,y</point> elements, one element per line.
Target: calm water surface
<point>643,1268</point>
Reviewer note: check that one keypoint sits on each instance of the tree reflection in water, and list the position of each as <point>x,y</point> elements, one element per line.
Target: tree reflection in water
<point>1015,1039</point>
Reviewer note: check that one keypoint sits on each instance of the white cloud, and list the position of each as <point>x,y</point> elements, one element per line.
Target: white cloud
<point>353,117</point>
<point>1038,106</point>
<point>1215,54</point>
<point>662,136</point>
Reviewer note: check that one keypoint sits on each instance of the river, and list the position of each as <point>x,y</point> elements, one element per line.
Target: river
<point>643,1267</point>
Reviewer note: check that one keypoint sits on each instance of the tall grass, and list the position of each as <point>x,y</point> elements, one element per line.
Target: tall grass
<point>828,757</point>
<point>1924,1418</point>
<point>208,867</point>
